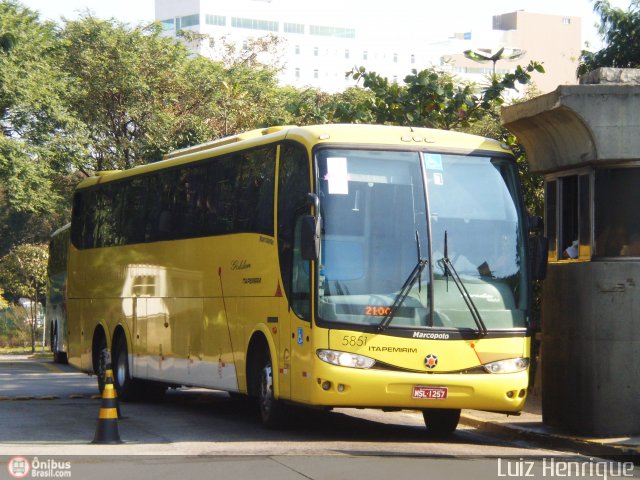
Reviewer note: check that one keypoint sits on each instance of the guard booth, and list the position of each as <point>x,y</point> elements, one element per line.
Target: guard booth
<point>585,140</point>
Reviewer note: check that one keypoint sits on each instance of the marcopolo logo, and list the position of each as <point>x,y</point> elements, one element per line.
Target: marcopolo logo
<point>431,335</point>
<point>21,467</point>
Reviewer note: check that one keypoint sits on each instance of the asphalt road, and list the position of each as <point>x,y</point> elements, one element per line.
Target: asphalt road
<point>48,416</point>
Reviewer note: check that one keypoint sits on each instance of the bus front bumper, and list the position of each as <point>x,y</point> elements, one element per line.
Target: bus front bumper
<point>335,386</point>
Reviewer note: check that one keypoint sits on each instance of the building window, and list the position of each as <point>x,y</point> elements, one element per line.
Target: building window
<point>365,55</point>
<point>297,72</point>
<point>395,79</point>
<point>316,74</point>
<point>346,54</point>
<point>566,21</point>
<point>168,24</point>
<point>395,58</point>
<point>316,51</point>
<point>293,27</point>
<point>189,21</point>
<point>297,50</point>
<point>218,20</point>
<point>413,58</point>
<point>255,24</point>
<point>332,31</point>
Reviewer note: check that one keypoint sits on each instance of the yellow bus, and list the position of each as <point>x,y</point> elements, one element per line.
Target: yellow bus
<point>329,266</point>
<point>55,310</point>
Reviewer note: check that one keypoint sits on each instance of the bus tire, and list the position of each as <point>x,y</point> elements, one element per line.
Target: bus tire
<point>125,385</point>
<point>58,356</point>
<point>441,421</point>
<point>273,412</point>
<point>99,346</point>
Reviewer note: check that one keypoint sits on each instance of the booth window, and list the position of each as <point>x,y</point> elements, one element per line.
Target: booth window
<point>568,217</point>
<point>617,218</point>
<point>551,202</point>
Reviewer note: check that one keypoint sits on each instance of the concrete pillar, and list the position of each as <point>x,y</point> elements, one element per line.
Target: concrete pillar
<point>585,140</point>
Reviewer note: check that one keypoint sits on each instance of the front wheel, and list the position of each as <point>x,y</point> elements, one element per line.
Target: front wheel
<point>272,411</point>
<point>441,421</point>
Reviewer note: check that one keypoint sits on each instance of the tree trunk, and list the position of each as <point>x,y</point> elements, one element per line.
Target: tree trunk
<point>34,323</point>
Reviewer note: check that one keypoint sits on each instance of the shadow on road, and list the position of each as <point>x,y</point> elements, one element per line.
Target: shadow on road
<point>59,409</point>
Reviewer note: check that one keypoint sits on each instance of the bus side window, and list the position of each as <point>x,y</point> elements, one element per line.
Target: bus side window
<point>293,188</point>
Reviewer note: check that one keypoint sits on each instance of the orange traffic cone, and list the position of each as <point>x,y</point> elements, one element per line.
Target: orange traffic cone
<point>107,429</point>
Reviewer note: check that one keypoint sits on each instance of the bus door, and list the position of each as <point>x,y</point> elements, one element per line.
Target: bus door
<point>299,320</point>
<point>295,311</point>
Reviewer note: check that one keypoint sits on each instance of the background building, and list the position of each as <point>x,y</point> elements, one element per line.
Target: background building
<point>553,40</point>
<point>319,47</point>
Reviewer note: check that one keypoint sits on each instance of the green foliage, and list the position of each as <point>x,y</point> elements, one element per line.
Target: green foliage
<point>122,84</point>
<point>140,94</point>
<point>38,139</point>
<point>23,274</point>
<point>3,301</point>
<point>14,331</point>
<point>23,271</point>
<point>620,32</point>
<point>434,99</point>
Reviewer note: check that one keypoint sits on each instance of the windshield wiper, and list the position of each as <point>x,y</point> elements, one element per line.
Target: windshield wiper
<point>449,268</point>
<point>415,274</point>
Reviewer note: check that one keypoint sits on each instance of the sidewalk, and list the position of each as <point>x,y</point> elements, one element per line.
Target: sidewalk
<point>528,426</point>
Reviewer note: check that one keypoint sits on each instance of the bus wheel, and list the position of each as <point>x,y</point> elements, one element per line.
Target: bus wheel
<point>441,421</point>
<point>272,411</point>
<point>99,348</point>
<point>58,356</point>
<point>124,384</point>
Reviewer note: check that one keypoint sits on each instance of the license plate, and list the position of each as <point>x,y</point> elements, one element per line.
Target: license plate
<point>430,393</point>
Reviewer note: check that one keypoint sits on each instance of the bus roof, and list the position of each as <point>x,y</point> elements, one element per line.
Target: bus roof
<point>348,134</point>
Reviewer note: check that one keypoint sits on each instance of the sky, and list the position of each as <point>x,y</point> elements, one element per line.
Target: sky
<point>434,19</point>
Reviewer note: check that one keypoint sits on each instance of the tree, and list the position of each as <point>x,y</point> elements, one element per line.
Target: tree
<point>3,301</point>
<point>620,32</point>
<point>435,99</point>
<point>37,133</point>
<point>140,94</point>
<point>23,273</point>
<point>123,84</point>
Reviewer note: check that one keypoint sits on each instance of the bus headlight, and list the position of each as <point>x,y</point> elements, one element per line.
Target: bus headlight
<point>345,359</point>
<point>512,365</point>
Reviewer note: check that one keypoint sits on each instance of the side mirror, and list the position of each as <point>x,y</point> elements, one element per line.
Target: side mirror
<point>538,251</point>
<point>310,238</point>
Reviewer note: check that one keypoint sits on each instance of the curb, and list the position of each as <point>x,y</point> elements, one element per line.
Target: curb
<point>557,441</point>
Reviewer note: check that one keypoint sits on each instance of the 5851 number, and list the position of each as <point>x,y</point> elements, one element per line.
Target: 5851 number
<point>354,341</point>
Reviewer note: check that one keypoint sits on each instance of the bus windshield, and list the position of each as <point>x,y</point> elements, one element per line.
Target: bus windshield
<point>383,213</point>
